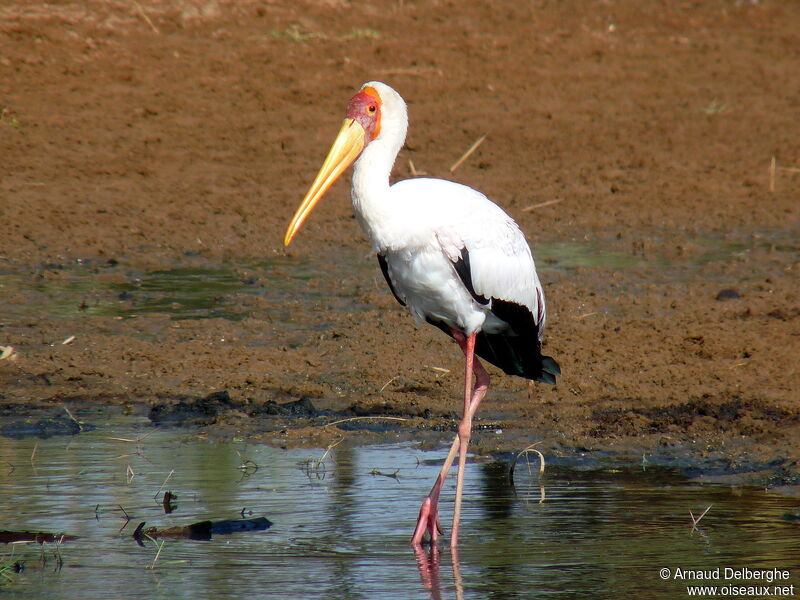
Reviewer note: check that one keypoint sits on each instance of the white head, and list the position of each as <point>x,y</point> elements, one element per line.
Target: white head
<point>376,121</point>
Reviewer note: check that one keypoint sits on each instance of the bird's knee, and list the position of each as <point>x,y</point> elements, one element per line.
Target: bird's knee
<point>464,431</point>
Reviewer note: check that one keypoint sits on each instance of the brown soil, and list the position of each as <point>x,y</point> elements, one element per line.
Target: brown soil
<point>150,135</point>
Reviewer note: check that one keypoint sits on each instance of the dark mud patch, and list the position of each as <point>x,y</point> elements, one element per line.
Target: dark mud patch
<point>191,411</point>
<point>19,427</point>
<point>700,416</point>
<point>260,416</point>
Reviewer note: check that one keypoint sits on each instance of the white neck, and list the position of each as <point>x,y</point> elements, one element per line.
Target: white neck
<point>370,193</point>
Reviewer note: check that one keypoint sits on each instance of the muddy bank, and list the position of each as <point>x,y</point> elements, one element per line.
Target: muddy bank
<point>150,167</point>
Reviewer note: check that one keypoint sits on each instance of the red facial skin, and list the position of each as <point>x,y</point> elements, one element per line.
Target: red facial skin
<point>365,109</point>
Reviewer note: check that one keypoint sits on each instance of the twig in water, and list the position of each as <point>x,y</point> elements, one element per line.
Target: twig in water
<point>697,520</point>
<point>395,476</point>
<point>71,416</point>
<point>542,204</point>
<point>127,517</point>
<point>248,466</point>
<point>57,554</point>
<point>541,467</point>
<point>319,464</point>
<point>33,454</point>
<point>160,547</point>
<point>468,153</point>
<point>171,473</point>
<point>330,447</point>
<point>137,441</point>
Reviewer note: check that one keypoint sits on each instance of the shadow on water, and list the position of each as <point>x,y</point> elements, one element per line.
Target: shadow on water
<point>342,531</point>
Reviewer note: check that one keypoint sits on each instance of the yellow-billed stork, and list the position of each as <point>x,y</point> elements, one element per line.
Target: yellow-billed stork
<point>449,254</point>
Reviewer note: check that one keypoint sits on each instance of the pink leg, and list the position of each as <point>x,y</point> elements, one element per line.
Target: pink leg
<point>428,519</point>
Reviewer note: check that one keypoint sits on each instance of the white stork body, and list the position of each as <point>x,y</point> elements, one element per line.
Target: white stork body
<point>448,253</point>
<point>421,254</point>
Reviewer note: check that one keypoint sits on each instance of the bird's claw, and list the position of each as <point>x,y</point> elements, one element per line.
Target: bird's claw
<point>428,520</point>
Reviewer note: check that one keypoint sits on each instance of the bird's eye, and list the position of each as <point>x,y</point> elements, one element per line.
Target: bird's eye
<point>371,109</point>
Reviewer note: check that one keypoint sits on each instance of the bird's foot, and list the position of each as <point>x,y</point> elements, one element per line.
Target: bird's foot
<point>428,520</point>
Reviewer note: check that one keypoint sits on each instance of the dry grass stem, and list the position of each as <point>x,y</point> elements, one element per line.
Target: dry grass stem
<point>144,16</point>
<point>773,172</point>
<point>413,169</point>
<point>772,164</point>
<point>541,468</point>
<point>360,419</point>
<point>584,315</point>
<point>319,464</point>
<point>385,385</point>
<point>160,547</point>
<point>468,153</point>
<point>418,72</point>
<point>542,204</point>
<point>531,449</point>
<point>138,440</point>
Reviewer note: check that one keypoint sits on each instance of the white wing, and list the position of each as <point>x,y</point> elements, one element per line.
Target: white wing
<point>458,218</point>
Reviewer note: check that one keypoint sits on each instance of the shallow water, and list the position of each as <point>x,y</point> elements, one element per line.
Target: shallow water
<point>340,529</point>
<point>198,289</point>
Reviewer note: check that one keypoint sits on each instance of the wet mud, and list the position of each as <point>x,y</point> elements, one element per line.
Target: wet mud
<point>151,159</point>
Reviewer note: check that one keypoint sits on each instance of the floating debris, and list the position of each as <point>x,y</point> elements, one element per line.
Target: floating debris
<point>39,537</point>
<point>169,502</point>
<point>202,530</point>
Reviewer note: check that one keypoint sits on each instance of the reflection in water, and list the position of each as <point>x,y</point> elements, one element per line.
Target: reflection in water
<point>497,495</point>
<point>342,513</point>
<point>344,532</point>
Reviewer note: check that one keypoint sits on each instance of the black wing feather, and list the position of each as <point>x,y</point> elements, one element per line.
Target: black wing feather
<point>385,270</point>
<point>465,275</point>
<point>516,351</point>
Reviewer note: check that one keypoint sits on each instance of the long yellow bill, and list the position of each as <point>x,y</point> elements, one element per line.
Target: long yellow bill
<point>345,149</point>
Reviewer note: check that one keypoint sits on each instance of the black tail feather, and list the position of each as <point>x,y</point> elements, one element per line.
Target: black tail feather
<point>514,354</point>
<point>517,355</point>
